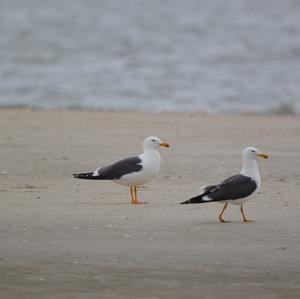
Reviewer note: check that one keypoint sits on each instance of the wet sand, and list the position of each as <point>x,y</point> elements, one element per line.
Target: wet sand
<point>66,238</point>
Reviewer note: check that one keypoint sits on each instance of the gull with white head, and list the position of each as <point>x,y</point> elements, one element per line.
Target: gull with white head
<point>237,188</point>
<point>134,171</point>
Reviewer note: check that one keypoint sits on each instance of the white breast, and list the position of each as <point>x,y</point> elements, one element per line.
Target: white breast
<point>151,166</point>
<point>250,169</point>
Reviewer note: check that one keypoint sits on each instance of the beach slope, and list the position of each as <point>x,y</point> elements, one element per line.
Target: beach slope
<point>66,238</point>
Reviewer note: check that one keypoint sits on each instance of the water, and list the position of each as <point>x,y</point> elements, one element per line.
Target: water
<point>152,55</point>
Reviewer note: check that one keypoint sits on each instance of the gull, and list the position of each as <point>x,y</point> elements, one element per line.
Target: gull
<point>132,172</point>
<point>237,188</point>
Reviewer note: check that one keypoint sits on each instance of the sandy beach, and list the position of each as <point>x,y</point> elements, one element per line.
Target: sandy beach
<point>67,238</point>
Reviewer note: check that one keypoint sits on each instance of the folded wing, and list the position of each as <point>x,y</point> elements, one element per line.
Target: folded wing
<point>114,171</point>
<point>235,187</point>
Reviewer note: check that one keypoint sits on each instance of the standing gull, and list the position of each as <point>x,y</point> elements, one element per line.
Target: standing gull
<point>132,172</point>
<point>237,188</point>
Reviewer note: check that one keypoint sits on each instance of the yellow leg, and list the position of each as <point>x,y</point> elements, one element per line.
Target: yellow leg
<point>222,212</point>
<point>136,201</point>
<point>244,217</point>
<point>132,195</point>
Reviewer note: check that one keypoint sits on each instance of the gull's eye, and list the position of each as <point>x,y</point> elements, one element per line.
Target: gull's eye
<point>253,151</point>
<point>153,140</point>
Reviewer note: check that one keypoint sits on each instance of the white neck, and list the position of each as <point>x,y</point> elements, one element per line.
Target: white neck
<point>151,159</point>
<point>151,152</point>
<point>250,169</point>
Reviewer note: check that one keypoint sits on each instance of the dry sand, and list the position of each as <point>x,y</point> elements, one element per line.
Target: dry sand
<point>66,238</point>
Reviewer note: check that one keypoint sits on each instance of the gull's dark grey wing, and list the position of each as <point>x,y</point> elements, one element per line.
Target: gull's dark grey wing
<point>113,171</point>
<point>235,187</point>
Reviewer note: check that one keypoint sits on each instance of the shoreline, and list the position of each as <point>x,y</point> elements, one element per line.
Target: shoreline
<point>276,112</point>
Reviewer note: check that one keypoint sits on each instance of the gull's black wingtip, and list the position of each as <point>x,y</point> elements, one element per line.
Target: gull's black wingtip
<point>87,176</point>
<point>185,202</point>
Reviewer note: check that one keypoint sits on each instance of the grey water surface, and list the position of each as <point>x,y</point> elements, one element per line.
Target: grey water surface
<point>151,55</point>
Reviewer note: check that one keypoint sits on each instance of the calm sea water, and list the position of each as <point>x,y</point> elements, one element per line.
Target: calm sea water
<point>152,55</point>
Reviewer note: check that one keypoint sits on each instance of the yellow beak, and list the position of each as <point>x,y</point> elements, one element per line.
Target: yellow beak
<point>263,156</point>
<point>164,144</point>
